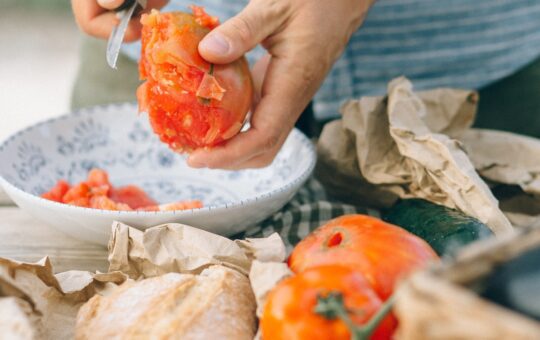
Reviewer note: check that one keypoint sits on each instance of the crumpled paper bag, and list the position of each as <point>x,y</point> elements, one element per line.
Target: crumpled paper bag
<point>43,304</point>
<point>37,304</point>
<point>505,157</point>
<point>182,249</point>
<point>404,145</point>
<point>509,162</point>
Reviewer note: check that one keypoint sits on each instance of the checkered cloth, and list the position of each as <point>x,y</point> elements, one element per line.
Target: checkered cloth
<point>308,209</point>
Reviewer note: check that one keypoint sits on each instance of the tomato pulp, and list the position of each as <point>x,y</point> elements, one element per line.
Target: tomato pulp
<point>97,192</point>
<point>190,103</point>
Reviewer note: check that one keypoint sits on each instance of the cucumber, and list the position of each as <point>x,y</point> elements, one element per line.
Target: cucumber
<point>446,230</point>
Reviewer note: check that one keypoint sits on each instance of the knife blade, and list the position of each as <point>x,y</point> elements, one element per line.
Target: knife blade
<point>125,12</point>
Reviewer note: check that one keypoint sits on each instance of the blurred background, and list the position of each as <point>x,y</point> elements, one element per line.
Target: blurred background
<point>39,44</point>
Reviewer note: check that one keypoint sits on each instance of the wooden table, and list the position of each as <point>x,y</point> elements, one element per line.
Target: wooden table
<point>25,238</point>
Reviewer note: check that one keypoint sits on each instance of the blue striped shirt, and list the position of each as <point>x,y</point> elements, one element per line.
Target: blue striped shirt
<point>452,43</point>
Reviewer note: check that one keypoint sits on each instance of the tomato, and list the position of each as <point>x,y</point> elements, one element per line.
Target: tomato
<point>190,103</point>
<point>76,193</point>
<point>382,252</point>
<point>97,178</point>
<point>57,192</point>
<point>289,311</point>
<point>132,195</point>
<point>97,192</point>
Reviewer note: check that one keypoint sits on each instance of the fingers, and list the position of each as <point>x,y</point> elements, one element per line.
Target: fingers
<point>97,19</point>
<point>110,4</point>
<point>285,95</point>
<point>238,35</point>
<point>258,73</point>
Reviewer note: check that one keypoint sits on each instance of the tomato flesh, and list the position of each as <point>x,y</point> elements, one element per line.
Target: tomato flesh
<point>98,193</point>
<point>190,103</point>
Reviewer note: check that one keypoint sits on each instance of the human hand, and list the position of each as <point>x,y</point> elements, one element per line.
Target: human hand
<point>303,39</point>
<point>97,17</point>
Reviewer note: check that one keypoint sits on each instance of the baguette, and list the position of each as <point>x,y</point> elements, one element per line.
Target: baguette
<point>217,304</point>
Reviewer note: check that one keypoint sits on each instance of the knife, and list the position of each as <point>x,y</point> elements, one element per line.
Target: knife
<point>125,12</point>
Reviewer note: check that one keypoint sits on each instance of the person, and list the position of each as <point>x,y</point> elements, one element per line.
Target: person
<point>325,52</point>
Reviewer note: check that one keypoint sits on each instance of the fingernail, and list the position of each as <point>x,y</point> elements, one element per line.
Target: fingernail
<point>215,43</point>
<point>194,162</point>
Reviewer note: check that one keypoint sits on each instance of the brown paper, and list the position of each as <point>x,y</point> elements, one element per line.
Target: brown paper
<point>440,302</point>
<point>182,249</point>
<point>505,157</point>
<point>53,300</point>
<point>263,277</point>
<point>404,143</point>
<point>35,303</point>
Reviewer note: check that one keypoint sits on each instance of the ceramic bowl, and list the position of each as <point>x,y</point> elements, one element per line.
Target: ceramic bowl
<point>117,139</point>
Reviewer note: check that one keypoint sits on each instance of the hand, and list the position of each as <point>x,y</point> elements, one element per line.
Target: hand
<point>97,17</point>
<point>303,38</point>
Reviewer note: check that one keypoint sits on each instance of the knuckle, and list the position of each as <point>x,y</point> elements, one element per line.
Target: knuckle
<point>242,29</point>
<point>275,8</point>
<point>270,141</point>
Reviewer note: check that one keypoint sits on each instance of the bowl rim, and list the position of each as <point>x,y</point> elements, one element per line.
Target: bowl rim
<point>89,110</point>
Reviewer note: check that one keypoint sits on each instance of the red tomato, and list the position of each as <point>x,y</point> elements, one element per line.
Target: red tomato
<point>76,193</point>
<point>190,103</point>
<point>131,195</point>
<point>102,202</point>
<point>382,252</point>
<point>289,312</point>
<point>98,178</point>
<point>57,192</point>
<point>97,192</point>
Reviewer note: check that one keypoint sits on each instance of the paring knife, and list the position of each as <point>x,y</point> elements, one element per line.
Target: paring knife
<point>125,12</point>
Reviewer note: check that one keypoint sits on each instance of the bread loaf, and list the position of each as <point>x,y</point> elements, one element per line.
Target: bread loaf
<point>217,304</point>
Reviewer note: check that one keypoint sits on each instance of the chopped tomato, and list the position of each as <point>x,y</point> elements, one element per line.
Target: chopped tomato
<point>79,191</point>
<point>133,196</point>
<point>57,192</point>
<point>182,205</point>
<point>102,202</point>
<point>97,192</point>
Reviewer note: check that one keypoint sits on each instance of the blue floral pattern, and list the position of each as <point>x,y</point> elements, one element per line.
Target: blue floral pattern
<point>116,139</point>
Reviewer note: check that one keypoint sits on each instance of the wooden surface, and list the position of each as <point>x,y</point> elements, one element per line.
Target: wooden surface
<point>24,238</point>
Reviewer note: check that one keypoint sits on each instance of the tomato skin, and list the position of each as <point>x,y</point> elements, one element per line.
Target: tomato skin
<point>382,252</point>
<point>177,76</point>
<point>288,313</point>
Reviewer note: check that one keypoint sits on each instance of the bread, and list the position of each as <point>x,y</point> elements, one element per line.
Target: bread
<point>217,304</point>
<point>17,320</point>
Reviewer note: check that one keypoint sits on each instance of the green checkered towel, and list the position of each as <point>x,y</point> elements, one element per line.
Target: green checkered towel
<point>309,208</point>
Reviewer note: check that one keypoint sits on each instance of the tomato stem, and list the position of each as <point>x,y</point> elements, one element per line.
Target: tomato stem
<point>206,101</point>
<point>332,307</point>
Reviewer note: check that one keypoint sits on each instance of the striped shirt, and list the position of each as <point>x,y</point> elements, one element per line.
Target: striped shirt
<point>452,43</point>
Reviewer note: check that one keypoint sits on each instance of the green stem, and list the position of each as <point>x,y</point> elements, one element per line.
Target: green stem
<point>332,307</point>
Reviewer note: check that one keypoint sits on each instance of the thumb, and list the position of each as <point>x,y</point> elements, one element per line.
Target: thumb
<point>238,35</point>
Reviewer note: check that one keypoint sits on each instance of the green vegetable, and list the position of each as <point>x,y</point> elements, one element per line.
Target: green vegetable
<point>446,230</point>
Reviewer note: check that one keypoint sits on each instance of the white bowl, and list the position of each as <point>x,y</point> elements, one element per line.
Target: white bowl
<point>116,139</point>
